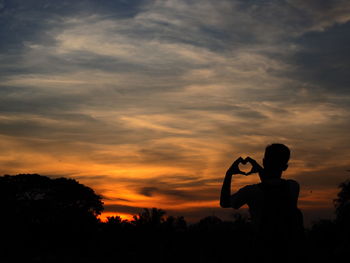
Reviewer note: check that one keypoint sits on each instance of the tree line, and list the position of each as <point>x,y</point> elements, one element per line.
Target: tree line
<point>56,220</point>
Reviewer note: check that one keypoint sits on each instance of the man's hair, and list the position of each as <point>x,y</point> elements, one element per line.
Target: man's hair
<point>278,153</point>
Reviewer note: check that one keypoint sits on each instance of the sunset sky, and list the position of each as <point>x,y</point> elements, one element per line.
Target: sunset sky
<point>149,102</point>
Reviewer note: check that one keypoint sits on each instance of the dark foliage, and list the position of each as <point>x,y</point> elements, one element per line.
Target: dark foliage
<point>150,218</point>
<point>36,199</point>
<point>47,220</point>
<point>54,220</point>
<point>342,205</point>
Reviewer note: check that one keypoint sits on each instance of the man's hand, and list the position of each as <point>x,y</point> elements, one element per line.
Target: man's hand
<point>256,168</point>
<point>234,169</point>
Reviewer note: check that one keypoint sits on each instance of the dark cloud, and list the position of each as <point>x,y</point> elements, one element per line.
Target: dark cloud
<point>323,14</point>
<point>173,194</point>
<point>63,127</point>
<point>170,154</point>
<point>23,23</point>
<point>179,190</point>
<point>323,61</point>
<point>122,209</point>
<point>34,100</point>
<point>115,199</point>
<point>148,191</point>
<point>325,178</point>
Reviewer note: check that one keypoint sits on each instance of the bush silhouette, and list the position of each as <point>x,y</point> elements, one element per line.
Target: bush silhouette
<point>36,199</point>
<point>150,217</point>
<point>342,204</point>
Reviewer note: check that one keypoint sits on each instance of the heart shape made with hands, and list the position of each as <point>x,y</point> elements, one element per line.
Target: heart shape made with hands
<point>246,167</point>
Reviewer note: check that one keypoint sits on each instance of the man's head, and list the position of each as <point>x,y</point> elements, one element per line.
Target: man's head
<point>276,159</point>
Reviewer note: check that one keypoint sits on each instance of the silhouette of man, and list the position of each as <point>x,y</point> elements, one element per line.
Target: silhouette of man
<point>272,205</point>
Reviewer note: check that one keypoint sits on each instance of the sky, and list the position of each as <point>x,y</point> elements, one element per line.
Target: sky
<point>149,102</point>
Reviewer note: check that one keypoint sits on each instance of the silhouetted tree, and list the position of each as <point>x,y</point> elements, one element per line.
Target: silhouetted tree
<point>342,204</point>
<point>48,220</point>
<point>114,220</point>
<point>180,223</point>
<point>36,199</point>
<point>175,223</point>
<point>150,217</point>
<point>210,222</point>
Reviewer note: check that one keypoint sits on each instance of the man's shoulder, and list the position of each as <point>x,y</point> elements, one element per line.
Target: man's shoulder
<point>292,182</point>
<point>294,185</point>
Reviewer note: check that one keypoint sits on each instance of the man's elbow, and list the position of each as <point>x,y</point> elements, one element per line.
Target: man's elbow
<point>225,204</point>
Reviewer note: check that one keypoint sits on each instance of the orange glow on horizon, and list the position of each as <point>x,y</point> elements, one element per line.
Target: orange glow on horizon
<point>121,181</point>
<point>123,216</point>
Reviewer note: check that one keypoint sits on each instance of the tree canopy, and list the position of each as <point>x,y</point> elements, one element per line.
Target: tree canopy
<point>342,203</point>
<point>32,198</point>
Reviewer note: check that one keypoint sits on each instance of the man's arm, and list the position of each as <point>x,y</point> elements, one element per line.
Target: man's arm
<point>225,198</point>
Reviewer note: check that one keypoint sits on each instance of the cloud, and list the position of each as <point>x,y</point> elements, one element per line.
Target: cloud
<point>324,14</point>
<point>322,62</point>
<point>148,191</point>
<point>122,209</point>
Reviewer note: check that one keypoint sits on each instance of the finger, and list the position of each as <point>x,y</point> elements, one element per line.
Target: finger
<point>234,166</point>
<point>239,160</point>
<point>251,172</point>
<point>236,163</point>
<point>240,172</point>
<point>251,160</point>
<point>254,163</point>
